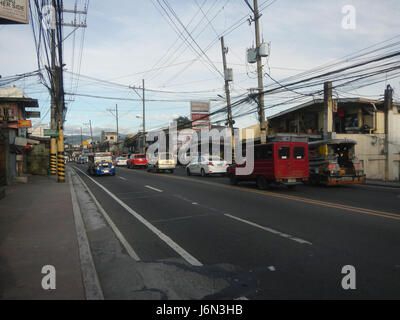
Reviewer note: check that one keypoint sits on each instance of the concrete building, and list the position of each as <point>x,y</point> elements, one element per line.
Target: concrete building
<point>110,137</point>
<point>14,141</point>
<point>362,120</point>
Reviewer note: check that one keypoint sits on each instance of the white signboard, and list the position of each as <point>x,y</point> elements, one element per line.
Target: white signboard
<point>14,11</point>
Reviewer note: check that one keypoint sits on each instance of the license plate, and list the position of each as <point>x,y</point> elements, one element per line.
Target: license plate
<point>347,178</point>
<point>106,171</point>
<point>291,180</point>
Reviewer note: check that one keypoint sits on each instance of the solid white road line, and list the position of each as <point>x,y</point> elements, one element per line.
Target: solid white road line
<point>155,189</point>
<point>119,235</point>
<point>91,283</point>
<point>177,248</point>
<point>283,235</point>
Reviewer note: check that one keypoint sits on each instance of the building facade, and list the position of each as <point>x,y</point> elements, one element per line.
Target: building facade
<point>359,119</point>
<point>14,140</point>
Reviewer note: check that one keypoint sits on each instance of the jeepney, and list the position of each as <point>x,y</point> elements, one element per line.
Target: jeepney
<point>101,163</point>
<point>334,162</point>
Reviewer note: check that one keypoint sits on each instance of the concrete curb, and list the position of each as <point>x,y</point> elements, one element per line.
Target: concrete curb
<point>383,184</point>
<point>91,283</point>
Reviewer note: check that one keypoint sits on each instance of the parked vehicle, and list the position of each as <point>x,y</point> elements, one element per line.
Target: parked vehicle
<point>101,163</point>
<point>163,161</point>
<point>276,163</point>
<point>121,161</point>
<point>334,162</point>
<point>207,165</point>
<point>137,160</point>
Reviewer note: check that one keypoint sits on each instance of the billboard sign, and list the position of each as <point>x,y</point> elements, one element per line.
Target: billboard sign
<point>33,114</point>
<point>14,11</point>
<point>199,114</point>
<point>50,132</point>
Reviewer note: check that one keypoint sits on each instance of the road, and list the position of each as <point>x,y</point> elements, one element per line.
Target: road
<point>272,244</point>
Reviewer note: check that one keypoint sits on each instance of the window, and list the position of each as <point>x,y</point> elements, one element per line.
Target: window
<point>298,152</point>
<point>264,152</point>
<point>284,152</point>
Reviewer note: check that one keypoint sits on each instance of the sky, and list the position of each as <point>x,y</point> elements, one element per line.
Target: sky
<point>131,40</point>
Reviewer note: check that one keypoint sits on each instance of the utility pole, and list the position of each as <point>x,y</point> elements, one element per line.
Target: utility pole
<point>328,106</point>
<point>263,121</point>
<point>227,94</point>
<point>144,118</point>
<point>53,116</point>
<point>387,107</point>
<point>81,140</point>
<point>116,118</point>
<point>91,133</point>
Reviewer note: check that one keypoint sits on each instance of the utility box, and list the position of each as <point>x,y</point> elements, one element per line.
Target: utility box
<point>251,55</point>
<point>263,51</point>
<point>228,74</point>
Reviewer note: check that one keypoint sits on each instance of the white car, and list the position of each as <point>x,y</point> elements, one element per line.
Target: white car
<point>121,161</point>
<point>207,165</point>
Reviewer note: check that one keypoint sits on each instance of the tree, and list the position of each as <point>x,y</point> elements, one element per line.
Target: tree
<point>183,123</point>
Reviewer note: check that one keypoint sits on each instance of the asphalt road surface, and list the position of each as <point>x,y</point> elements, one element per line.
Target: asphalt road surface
<point>274,244</point>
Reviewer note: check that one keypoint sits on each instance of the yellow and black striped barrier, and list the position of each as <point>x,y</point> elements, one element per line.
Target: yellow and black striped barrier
<point>61,167</point>
<point>60,156</point>
<point>53,156</point>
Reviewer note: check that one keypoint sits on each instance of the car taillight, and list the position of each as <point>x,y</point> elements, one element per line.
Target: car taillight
<point>357,166</point>
<point>210,164</point>
<point>332,166</point>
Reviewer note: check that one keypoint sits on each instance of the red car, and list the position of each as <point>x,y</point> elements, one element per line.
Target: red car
<point>137,160</point>
<point>276,163</point>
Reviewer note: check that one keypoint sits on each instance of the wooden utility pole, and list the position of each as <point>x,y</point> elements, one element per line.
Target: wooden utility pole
<point>387,107</point>
<point>261,113</point>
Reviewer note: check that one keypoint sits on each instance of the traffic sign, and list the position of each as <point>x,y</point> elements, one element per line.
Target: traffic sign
<point>50,132</point>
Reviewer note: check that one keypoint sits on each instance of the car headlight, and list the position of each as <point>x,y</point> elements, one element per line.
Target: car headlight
<point>112,167</point>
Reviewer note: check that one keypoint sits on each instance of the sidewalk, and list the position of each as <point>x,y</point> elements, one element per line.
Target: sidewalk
<point>37,228</point>
<point>390,184</point>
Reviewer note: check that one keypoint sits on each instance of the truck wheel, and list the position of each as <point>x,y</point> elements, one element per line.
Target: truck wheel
<point>262,183</point>
<point>188,173</point>
<point>203,173</point>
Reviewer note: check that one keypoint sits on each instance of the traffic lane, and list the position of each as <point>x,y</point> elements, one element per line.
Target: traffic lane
<point>145,243</point>
<point>363,234</point>
<point>317,266</point>
<point>169,207</point>
<point>262,254</point>
<point>369,197</point>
